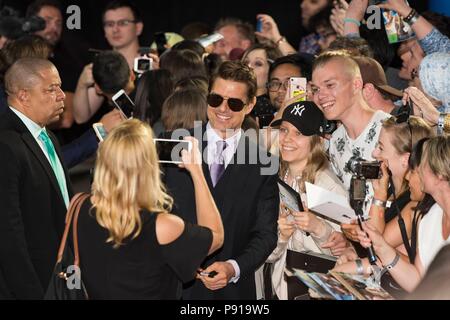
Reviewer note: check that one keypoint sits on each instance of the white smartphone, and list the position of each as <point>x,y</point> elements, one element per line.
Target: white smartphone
<point>142,64</point>
<point>210,39</point>
<point>100,131</point>
<point>169,150</point>
<point>124,104</point>
<point>297,86</point>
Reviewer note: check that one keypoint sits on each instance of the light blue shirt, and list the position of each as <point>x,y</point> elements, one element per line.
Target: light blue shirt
<point>228,154</point>
<point>35,131</point>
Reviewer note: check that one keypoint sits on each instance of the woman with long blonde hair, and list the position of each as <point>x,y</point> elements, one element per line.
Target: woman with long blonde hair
<point>131,247</point>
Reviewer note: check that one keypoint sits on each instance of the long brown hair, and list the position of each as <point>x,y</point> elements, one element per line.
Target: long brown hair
<point>317,161</point>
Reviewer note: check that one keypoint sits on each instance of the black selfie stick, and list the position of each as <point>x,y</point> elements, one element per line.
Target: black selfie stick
<point>357,197</point>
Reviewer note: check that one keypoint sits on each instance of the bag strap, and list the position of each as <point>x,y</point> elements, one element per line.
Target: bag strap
<point>75,204</point>
<point>75,228</point>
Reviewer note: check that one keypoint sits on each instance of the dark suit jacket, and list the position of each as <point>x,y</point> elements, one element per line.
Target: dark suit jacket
<point>32,212</point>
<point>248,202</point>
<point>80,149</point>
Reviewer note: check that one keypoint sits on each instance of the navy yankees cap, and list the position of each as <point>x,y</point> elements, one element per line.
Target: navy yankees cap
<point>305,116</point>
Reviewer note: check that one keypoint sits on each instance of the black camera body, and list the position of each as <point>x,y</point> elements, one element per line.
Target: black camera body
<point>13,27</point>
<point>363,168</point>
<point>329,126</point>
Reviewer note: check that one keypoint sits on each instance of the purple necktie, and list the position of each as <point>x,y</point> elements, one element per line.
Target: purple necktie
<point>218,166</point>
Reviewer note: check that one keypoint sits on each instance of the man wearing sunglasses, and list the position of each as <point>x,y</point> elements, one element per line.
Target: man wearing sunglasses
<point>246,195</point>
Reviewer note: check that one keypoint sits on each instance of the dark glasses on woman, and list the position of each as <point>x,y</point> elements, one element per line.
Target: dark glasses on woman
<point>215,100</point>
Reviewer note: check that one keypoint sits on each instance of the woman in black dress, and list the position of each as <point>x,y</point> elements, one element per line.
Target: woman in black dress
<point>130,246</point>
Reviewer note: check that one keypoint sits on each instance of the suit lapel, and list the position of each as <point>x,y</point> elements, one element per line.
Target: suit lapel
<point>38,153</point>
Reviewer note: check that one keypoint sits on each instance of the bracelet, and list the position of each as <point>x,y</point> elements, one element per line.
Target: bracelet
<point>351,20</point>
<point>394,262</point>
<point>359,267</point>
<point>412,17</point>
<point>379,203</point>
<point>441,123</point>
<point>282,39</point>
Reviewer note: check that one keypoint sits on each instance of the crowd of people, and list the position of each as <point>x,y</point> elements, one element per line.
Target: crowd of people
<point>213,226</point>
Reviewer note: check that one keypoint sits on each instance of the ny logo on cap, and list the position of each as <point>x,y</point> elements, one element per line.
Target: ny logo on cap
<point>298,110</point>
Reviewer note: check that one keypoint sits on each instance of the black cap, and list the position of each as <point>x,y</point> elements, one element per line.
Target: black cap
<point>305,116</point>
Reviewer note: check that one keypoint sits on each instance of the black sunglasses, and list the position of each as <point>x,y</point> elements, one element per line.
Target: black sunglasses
<point>215,100</point>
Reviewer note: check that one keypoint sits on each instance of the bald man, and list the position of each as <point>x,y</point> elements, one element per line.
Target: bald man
<point>337,88</point>
<point>34,185</point>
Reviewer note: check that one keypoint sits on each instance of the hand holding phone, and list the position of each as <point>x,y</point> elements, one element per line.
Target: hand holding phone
<point>169,150</point>
<point>123,102</point>
<point>100,131</point>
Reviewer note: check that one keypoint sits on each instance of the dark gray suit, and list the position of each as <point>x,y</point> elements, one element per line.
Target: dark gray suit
<point>248,202</point>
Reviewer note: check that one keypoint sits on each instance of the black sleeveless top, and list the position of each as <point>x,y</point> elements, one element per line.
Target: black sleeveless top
<point>141,268</point>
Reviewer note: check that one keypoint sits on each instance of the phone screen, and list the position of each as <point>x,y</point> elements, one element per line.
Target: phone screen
<point>169,151</point>
<point>259,25</point>
<point>297,86</point>
<point>124,103</point>
<point>100,131</point>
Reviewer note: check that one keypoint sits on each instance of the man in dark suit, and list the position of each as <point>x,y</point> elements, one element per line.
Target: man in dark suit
<point>244,189</point>
<point>34,185</point>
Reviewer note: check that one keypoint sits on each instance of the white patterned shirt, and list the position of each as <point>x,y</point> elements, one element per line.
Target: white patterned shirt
<point>342,147</point>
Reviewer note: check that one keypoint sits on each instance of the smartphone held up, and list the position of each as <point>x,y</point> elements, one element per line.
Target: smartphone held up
<point>124,104</point>
<point>169,150</point>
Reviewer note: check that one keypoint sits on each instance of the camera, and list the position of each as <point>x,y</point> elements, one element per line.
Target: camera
<point>142,64</point>
<point>13,27</point>
<point>329,126</point>
<point>364,168</point>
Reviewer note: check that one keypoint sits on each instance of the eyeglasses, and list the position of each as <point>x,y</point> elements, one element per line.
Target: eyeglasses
<point>215,100</point>
<point>275,85</point>
<point>120,23</point>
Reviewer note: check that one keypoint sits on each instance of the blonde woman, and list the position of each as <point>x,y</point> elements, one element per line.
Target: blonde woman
<point>131,247</point>
<point>303,160</point>
<point>434,228</point>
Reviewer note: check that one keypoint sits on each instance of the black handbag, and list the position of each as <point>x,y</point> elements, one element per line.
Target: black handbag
<point>66,282</point>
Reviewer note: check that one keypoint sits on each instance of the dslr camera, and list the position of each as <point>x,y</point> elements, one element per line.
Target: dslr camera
<point>363,168</point>
<point>142,64</point>
<point>12,26</point>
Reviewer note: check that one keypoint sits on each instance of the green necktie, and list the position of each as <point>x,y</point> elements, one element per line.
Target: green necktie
<point>56,165</point>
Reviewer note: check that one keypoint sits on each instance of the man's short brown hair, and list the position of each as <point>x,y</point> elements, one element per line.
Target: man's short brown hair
<point>245,29</point>
<point>239,72</point>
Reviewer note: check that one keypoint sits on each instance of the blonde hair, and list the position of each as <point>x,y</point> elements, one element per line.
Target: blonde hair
<point>126,180</point>
<point>350,67</point>
<point>400,134</point>
<point>403,138</point>
<point>317,161</point>
<point>436,153</point>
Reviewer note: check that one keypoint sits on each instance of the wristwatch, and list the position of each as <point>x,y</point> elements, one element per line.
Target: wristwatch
<point>393,263</point>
